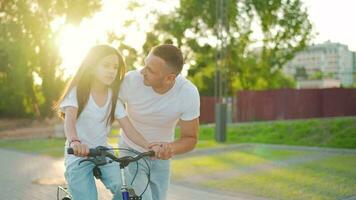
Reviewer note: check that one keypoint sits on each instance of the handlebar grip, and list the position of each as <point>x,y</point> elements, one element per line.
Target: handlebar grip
<point>92,152</point>
<point>150,153</point>
<point>70,150</point>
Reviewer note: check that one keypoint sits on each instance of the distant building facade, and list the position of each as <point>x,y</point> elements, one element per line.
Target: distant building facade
<point>327,62</point>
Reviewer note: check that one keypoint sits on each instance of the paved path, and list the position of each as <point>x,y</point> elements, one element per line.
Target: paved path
<point>29,176</point>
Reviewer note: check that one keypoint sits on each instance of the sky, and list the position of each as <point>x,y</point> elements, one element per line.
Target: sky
<point>333,20</point>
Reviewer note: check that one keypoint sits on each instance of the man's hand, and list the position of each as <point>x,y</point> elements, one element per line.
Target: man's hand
<point>163,150</point>
<point>80,149</point>
<point>156,147</point>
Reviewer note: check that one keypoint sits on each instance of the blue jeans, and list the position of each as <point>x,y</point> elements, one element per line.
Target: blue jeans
<point>159,179</point>
<point>81,181</point>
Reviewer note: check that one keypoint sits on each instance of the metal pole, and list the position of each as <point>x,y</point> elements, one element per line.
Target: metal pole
<point>220,106</point>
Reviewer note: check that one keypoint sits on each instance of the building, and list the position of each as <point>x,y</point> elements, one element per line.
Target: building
<point>328,62</point>
<point>313,84</point>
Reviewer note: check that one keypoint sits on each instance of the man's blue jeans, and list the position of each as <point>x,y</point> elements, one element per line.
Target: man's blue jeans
<point>81,181</point>
<point>159,179</point>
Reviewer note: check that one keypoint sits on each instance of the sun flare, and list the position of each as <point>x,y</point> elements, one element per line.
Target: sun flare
<point>75,41</point>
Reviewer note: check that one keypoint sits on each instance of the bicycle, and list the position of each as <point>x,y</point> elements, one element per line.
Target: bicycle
<point>99,156</point>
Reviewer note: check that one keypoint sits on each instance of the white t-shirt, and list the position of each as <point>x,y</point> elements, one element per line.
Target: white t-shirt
<point>91,123</point>
<point>156,115</point>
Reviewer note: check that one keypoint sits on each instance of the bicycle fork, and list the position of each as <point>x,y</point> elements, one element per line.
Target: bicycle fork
<point>127,192</point>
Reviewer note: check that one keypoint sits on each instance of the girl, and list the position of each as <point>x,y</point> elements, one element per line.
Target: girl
<point>89,106</point>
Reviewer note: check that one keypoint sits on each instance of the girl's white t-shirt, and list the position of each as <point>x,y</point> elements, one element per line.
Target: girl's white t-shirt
<point>156,115</point>
<point>91,124</point>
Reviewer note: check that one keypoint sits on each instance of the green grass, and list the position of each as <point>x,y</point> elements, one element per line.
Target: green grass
<point>333,132</point>
<point>329,176</point>
<point>52,147</point>
<point>273,154</point>
<point>241,158</point>
<point>213,163</point>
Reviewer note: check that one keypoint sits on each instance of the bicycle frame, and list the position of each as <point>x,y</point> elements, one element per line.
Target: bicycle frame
<point>67,195</point>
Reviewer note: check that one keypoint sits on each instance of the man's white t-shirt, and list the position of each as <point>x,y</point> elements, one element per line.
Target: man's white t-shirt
<point>91,124</point>
<point>156,115</point>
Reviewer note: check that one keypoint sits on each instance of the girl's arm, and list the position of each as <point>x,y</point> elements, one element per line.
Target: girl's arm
<point>70,131</point>
<point>132,133</point>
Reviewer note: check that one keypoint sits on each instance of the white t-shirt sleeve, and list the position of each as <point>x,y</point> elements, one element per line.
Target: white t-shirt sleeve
<point>191,104</point>
<point>120,111</point>
<point>70,100</point>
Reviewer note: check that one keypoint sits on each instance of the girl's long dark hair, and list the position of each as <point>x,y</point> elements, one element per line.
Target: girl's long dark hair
<point>85,75</point>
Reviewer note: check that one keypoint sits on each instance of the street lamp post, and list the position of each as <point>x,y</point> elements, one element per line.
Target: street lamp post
<point>219,89</point>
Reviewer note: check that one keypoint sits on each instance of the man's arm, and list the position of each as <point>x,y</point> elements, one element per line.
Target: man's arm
<point>186,142</point>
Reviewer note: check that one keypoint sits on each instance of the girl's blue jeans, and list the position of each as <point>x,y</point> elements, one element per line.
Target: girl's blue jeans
<point>81,181</point>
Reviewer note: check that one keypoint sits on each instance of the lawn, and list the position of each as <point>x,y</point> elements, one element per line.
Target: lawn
<point>331,132</point>
<point>272,173</point>
<point>52,147</point>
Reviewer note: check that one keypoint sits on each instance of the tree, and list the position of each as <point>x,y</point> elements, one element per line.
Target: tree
<point>128,52</point>
<point>285,30</point>
<point>29,48</point>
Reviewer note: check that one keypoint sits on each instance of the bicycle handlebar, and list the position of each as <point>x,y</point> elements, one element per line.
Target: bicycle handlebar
<point>103,151</point>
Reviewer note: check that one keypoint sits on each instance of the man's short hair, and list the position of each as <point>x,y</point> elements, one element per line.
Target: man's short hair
<point>171,54</point>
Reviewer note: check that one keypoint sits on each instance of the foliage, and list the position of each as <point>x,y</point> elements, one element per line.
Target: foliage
<point>29,50</point>
<point>285,30</point>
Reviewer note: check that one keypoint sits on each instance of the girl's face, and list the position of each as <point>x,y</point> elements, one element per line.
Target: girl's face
<point>107,69</point>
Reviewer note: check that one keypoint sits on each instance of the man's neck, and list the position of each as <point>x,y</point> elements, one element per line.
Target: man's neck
<point>164,89</point>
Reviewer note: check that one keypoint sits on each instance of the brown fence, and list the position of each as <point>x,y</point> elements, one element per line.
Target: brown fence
<point>207,106</point>
<point>295,104</point>
<point>285,104</point>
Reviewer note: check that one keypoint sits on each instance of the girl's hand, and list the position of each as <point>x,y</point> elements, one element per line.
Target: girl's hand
<point>80,149</point>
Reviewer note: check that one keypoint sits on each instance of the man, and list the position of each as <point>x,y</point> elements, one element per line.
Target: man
<point>157,98</point>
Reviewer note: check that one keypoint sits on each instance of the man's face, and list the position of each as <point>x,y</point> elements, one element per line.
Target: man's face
<point>155,71</point>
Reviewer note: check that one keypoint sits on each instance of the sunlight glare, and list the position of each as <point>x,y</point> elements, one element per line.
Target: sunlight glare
<point>75,41</point>
<point>74,44</point>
